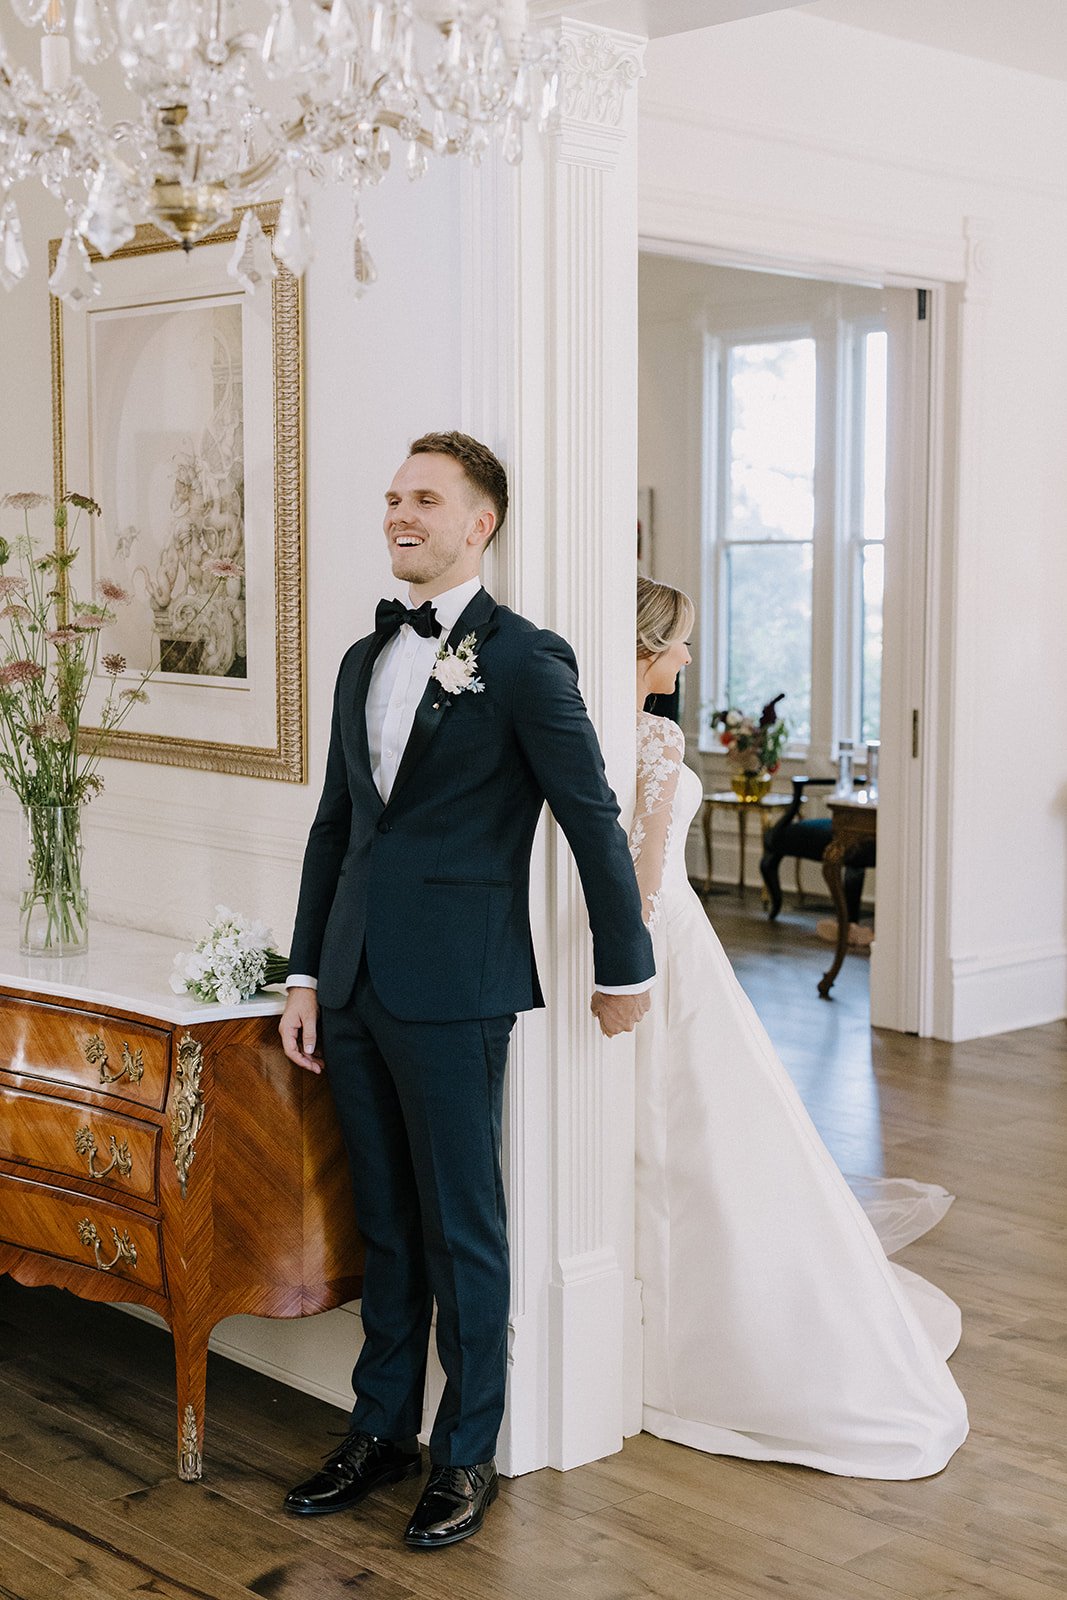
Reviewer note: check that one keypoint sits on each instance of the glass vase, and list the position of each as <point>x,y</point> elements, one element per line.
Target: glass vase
<point>750,785</point>
<point>53,905</point>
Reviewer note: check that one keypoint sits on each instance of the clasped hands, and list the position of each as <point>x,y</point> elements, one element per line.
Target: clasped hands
<point>619,1013</point>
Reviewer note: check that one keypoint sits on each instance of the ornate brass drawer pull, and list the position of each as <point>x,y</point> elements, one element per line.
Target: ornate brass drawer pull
<point>125,1249</point>
<point>132,1061</point>
<point>121,1161</point>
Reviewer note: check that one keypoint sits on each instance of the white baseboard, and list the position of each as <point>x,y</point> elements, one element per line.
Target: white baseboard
<point>1008,989</point>
<point>586,1350</point>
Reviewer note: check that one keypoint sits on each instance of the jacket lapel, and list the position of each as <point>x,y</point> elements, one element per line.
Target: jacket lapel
<point>375,645</point>
<point>477,618</point>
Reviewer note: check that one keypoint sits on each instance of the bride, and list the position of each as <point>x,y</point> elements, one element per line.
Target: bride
<point>775,1327</point>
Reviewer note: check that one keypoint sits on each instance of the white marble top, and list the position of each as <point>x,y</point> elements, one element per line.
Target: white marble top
<point>122,967</point>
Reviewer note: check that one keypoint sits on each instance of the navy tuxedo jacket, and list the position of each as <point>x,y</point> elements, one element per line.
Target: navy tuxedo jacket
<point>434,885</point>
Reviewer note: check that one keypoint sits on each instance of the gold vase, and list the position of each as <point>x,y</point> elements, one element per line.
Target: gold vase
<point>751,786</point>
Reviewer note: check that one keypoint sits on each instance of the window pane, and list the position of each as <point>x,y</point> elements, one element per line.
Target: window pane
<point>769,630</point>
<point>772,440</point>
<point>876,345</point>
<point>871,690</point>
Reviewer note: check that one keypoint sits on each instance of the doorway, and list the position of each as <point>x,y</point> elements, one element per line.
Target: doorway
<point>784,422</point>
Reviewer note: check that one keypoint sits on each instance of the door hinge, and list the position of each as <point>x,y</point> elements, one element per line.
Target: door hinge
<point>915,736</point>
<point>922,305</point>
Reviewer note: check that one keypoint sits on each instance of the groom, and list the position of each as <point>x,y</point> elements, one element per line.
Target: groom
<point>453,722</point>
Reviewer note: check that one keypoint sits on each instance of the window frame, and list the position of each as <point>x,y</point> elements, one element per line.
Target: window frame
<point>837,605</point>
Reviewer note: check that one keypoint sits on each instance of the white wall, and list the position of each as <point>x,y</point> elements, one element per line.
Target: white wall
<point>788,139</point>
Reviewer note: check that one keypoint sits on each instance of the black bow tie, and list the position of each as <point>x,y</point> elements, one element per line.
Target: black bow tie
<point>390,615</point>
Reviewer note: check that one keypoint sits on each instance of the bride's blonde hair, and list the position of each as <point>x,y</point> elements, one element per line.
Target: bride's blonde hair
<point>664,615</point>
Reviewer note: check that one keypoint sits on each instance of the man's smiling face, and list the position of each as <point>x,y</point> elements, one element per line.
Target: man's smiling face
<point>435,524</point>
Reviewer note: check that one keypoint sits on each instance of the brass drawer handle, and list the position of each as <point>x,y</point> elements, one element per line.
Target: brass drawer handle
<point>125,1249</point>
<point>121,1161</point>
<point>132,1062</point>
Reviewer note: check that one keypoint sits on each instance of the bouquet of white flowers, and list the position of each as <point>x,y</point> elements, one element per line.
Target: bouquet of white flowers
<point>233,959</point>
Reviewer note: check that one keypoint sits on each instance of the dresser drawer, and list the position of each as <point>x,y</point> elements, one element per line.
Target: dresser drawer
<point>80,1141</point>
<point>88,1051</point>
<point>107,1238</point>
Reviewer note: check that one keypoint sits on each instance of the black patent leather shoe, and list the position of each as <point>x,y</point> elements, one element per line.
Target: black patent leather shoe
<point>453,1505</point>
<point>363,1463</point>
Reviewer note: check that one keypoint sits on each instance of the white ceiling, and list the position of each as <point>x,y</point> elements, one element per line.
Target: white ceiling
<point>655,18</point>
<point>1031,34</point>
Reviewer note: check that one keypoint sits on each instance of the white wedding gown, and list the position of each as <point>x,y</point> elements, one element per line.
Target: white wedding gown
<point>775,1328</point>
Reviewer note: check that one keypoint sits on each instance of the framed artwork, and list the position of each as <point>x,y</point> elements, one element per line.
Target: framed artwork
<point>644,532</point>
<point>177,405</point>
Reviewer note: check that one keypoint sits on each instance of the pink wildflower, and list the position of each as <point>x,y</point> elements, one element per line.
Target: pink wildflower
<point>16,611</point>
<point>63,636</point>
<point>114,664</point>
<point>112,592</point>
<point>52,728</point>
<point>135,695</point>
<point>20,672</point>
<point>12,585</point>
<point>92,621</point>
<point>26,500</point>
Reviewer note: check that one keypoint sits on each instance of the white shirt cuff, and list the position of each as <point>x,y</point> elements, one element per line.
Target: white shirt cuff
<point>625,988</point>
<point>300,980</point>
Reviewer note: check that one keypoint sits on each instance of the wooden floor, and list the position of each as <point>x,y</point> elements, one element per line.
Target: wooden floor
<point>89,1506</point>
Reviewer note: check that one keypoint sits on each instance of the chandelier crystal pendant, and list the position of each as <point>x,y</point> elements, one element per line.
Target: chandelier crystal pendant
<point>240,99</point>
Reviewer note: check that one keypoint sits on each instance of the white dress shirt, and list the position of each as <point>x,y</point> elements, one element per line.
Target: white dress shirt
<point>398,682</point>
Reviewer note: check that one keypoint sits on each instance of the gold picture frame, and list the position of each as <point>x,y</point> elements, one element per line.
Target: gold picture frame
<point>248,717</point>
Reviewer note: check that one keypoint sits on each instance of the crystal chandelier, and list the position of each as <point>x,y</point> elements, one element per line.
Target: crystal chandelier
<point>238,99</point>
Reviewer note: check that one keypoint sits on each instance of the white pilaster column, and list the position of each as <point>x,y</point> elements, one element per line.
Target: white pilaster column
<point>551,381</point>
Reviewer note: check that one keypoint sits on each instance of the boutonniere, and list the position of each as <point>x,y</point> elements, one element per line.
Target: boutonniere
<point>457,670</point>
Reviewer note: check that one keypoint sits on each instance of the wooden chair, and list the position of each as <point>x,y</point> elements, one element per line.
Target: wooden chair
<point>805,839</point>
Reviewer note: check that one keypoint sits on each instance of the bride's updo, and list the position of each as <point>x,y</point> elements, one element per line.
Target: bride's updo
<point>664,615</point>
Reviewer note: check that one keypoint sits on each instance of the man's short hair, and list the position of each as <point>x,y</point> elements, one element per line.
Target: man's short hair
<point>481,466</point>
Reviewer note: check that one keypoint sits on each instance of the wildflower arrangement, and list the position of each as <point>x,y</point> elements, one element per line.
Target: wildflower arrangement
<point>233,959</point>
<point>50,651</point>
<point>753,746</point>
<point>49,645</point>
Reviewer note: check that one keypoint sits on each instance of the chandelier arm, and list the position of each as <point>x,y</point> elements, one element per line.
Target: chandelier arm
<point>261,170</point>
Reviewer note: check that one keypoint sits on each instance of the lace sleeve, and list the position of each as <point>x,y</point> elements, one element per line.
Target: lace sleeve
<point>660,748</point>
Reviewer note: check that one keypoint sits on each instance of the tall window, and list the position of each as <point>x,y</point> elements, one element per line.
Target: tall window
<point>795,525</point>
<point>867,532</point>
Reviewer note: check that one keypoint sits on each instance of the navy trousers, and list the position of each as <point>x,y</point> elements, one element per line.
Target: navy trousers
<point>420,1107</point>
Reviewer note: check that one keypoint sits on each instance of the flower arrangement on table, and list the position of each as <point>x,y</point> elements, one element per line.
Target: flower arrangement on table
<point>50,652</point>
<point>753,746</point>
<point>234,958</point>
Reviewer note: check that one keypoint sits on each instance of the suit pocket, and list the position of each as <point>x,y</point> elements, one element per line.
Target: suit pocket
<point>471,883</point>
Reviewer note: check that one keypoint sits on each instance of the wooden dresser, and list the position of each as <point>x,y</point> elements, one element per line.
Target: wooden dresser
<point>162,1152</point>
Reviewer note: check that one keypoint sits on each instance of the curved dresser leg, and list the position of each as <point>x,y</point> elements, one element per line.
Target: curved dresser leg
<point>190,1355</point>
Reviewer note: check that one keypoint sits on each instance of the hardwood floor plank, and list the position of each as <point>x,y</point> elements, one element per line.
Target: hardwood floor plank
<point>925,1570</point>
<point>744,1564</point>
<point>746,1499</point>
<point>256,1552</point>
<point>22,1577</point>
<point>72,1453</point>
<point>74,1537</point>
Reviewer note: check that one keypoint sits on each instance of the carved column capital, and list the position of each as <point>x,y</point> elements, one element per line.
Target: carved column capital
<point>599,69</point>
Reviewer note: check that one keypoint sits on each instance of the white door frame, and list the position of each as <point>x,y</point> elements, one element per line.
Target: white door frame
<point>909,963</point>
